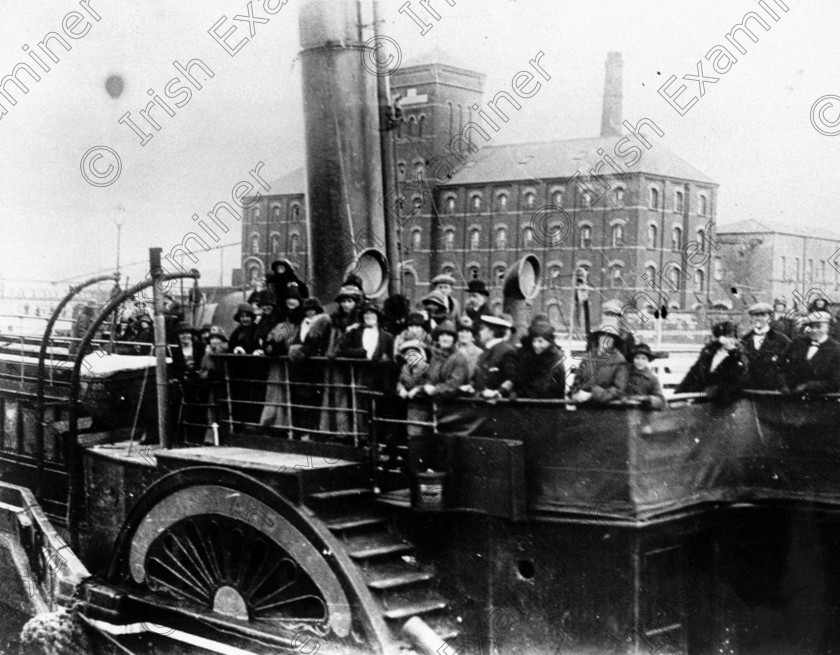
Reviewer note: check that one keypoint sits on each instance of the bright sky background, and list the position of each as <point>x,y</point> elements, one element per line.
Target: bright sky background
<point>751,132</point>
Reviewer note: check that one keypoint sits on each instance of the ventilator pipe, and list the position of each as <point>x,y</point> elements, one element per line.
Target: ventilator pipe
<point>372,267</point>
<point>521,285</point>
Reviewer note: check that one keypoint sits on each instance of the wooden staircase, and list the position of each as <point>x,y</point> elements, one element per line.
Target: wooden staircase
<point>402,586</point>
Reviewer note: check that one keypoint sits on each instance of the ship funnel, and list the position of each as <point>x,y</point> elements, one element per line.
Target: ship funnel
<point>521,285</point>
<point>343,156</point>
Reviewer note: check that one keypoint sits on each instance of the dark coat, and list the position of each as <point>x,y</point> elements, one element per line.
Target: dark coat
<point>280,284</point>
<point>644,383</point>
<point>495,366</point>
<point>819,375</point>
<point>448,371</point>
<point>317,339</point>
<point>539,376</point>
<point>763,370</point>
<point>476,314</point>
<point>724,384</point>
<point>341,322</point>
<point>352,345</point>
<point>786,326</point>
<point>183,371</point>
<point>604,376</point>
<point>245,338</point>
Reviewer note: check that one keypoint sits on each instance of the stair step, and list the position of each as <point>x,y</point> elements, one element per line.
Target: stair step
<point>353,523</point>
<point>356,492</point>
<point>414,609</point>
<point>404,580</point>
<point>446,628</point>
<point>390,549</point>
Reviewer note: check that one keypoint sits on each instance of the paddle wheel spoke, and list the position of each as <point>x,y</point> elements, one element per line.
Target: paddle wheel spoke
<point>234,569</point>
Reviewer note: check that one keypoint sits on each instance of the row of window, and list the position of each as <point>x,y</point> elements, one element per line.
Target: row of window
<point>587,199</point>
<point>292,248</point>
<point>616,276</point>
<point>553,237</point>
<point>797,272</point>
<point>293,214</point>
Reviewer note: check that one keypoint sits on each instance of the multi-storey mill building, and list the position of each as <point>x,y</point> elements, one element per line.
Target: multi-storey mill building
<point>607,209</point>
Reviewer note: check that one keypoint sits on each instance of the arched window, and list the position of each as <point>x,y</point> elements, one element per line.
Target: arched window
<point>652,236</point>
<point>618,197</point>
<point>416,240</point>
<point>554,273</point>
<point>473,272</point>
<point>501,238</point>
<point>701,209</point>
<point>700,281</point>
<point>616,279</point>
<point>585,236</point>
<point>678,202</point>
<point>411,124</point>
<point>420,125</point>
<point>676,238</point>
<point>475,238</point>
<point>294,243</point>
<point>529,200</point>
<point>617,235</point>
<point>555,234</point>
<point>255,213</point>
<point>557,198</point>
<point>401,171</point>
<point>409,284</point>
<point>555,316</point>
<point>701,239</point>
<point>675,278</point>
<point>654,199</point>
<point>417,202</point>
<point>275,244</point>
<point>475,204</point>
<point>448,269</point>
<point>501,202</point>
<point>275,212</point>
<point>254,273</point>
<point>450,205</point>
<point>650,273</point>
<point>295,213</point>
<point>528,237</point>
<point>255,244</point>
<point>586,200</point>
<point>499,274</point>
<point>419,170</point>
<point>449,239</point>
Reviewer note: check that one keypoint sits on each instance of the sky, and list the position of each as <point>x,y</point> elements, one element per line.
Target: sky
<point>751,131</point>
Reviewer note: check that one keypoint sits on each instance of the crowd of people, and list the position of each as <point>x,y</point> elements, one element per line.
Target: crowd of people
<point>443,352</point>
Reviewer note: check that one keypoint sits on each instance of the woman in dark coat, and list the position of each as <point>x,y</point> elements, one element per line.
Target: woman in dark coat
<point>187,357</point>
<point>540,372</point>
<point>282,277</point>
<point>720,369</point>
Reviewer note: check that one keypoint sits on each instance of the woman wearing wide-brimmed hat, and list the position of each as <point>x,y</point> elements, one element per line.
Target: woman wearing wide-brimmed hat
<point>244,339</point>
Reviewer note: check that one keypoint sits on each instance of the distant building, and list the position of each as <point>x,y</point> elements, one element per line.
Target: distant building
<point>766,261</point>
<point>603,209</point>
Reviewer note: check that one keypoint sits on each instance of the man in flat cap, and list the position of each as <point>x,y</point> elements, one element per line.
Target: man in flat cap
<point>477,295</point>
<point>763,348</point>
<point>811,364</point>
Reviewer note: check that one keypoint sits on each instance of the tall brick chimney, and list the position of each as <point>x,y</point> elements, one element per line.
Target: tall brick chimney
<point>611,113</point>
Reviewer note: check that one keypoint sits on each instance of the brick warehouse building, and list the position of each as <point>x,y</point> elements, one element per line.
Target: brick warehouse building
<point>627,232</point>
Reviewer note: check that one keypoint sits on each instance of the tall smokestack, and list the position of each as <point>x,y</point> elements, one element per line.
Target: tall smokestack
<point>611,113</point>
<point>343,158</point>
